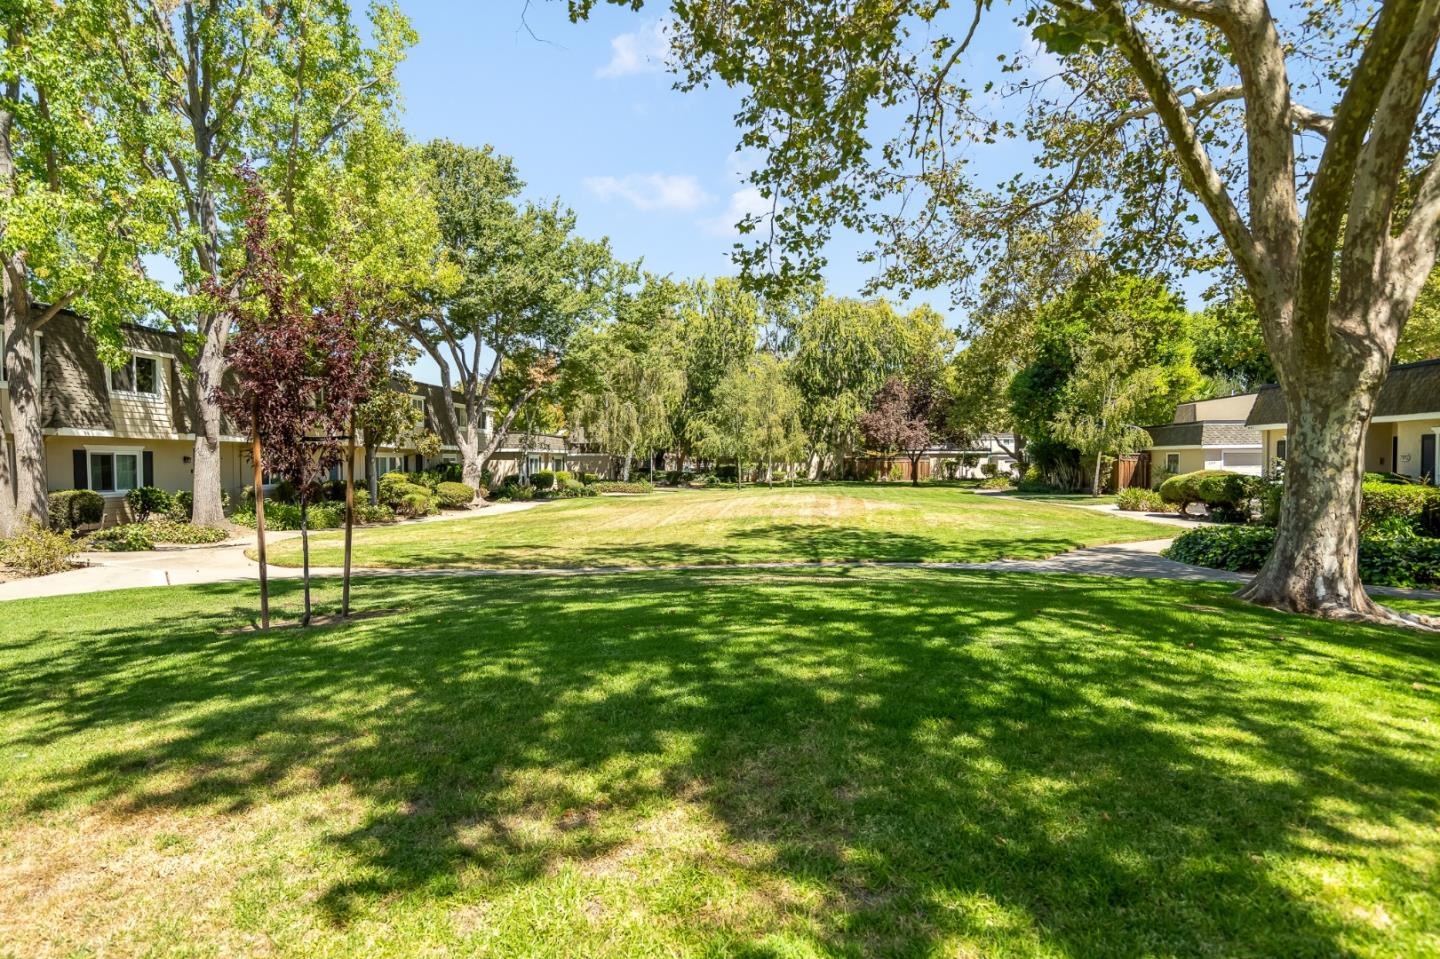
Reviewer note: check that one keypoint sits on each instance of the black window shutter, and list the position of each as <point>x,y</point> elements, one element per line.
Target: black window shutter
<point>82,476</point>
<point>148,468</point>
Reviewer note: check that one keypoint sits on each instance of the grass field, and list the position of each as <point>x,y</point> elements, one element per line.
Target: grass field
<point>780,764</point>
<point>853,522</point>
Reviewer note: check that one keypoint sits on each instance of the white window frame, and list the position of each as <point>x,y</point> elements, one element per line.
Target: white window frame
<point>396,460</point>
<point>159,391</point>
<point>1175,457</point>
<point>113,451</point>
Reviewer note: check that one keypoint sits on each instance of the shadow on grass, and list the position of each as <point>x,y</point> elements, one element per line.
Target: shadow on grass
<point>1091,767</point>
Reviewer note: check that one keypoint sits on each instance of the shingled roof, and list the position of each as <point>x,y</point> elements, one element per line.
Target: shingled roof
<point>1206,433</point>
<point>1411,389</point>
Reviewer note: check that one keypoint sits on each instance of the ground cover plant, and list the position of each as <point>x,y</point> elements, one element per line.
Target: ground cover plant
<point>834,523</point>
<point>758,763</point>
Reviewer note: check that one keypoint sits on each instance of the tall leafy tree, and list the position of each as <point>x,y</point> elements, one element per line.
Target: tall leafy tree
<point>74,219</point>
<point>527,284</point>
<point>209,86</point>
<point>1304,142</point>
<point>843,351</point>
<point>720,326</point>
<point>904,419</point>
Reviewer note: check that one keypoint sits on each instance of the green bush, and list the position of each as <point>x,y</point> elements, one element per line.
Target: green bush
<point>416,503</point>
<point>70,509</point>
<point>403,496</point>
<point>126,538</point>
<point>184,534</point>
<point>38,551</point>
<point>588,478</point>
<point>146,501</point>
<point>563,476</point>
<point>989,470</point>
<point>286,516</point>
<point>1001,482</point>
<point>391,487</point>
<point>574,490</point>
<point>1033,481</point>
<point>1398,558</point>
<point>1417,506</point>
<point>519,493</point>
<point>1226,495</point>
<point>1136,499</point>
<point>1234,548</point>
<point>182,505</point>
<point>542,479</point>
<point>454,495</point>
<point>616,486</point>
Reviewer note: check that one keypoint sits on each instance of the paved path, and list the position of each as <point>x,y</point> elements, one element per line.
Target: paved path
<point>228,563</point>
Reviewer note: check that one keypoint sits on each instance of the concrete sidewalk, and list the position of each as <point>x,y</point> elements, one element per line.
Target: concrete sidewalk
<point>186,565</point>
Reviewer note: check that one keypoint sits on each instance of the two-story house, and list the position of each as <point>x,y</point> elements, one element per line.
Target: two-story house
<point>113,429</point>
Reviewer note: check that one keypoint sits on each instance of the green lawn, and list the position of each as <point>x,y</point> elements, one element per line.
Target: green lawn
<point>857,762</point>
<point>844,522</point>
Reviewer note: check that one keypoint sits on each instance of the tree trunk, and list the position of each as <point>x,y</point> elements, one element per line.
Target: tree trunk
<point>625,470</point>
<point>472,467</point>
<point>25,496</point>
<point>305,550</point>
<point>1095,486</point>
<point>258,459</point>
<point>371,480</point>
<point>349,515</point>
<point>209,368</point>
<point>915,471</point>
<point>1314,567</point>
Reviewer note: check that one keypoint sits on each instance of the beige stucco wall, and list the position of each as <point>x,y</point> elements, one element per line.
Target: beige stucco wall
<point>1409,433</point>
<point>1221,408</point>
<point>1192,458</point>
<point>1378,445</point>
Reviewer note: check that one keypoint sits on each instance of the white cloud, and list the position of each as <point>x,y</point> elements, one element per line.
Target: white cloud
<point>649,192</point>
<point>746,201</point>
<point>643,51</point>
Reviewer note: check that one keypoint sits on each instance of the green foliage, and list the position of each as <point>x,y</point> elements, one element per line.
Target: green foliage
<point>562,477</point>
<point>542,479</point>
<point>610,486</point>
<point>1225,494</point>
<point>1396,558</point>
<point>454,495</point>
<point>146,501</point>
<point>126,538</point>
<point>588,478</point>
<point>182,502</point>
<point>1417,507</point>
<point>286,516</point>
<point>184,533</point>
<point>72,508</point>
<point>37,551</point>
<point>1135,499</point>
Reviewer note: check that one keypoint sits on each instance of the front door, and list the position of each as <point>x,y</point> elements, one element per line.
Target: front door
<point>1427,456</point>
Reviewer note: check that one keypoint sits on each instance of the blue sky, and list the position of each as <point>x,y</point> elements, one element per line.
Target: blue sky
<point>589,116</point>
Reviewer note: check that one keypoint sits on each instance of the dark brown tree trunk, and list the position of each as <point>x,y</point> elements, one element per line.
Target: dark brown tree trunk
<point>915,470</point>
<point>305,549</point>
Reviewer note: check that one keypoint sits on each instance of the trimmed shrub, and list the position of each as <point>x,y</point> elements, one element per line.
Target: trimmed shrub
<point>563,476</point>
<point>1398,559</point>
<point>182,505</point>
<point>635,486</point>
<point>70,509</point>
<point>1417,506</point>
<point>390,486</point>
<point>127,538</point>
<point>415,504</point>
<point>573,490</point>
<point>38,551</point>
<point>286,516</point>
<point>1135,499</point>
<point>454,495</point>
<point>1235,548</point>
<point>588,478</point>
<point>146,501</point>
<point>1000,482</point>
<point>1226,495</point>
<point>185,534</point>
<point>542,479</point>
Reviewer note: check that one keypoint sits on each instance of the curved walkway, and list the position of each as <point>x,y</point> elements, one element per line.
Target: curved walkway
<point>227,562</point>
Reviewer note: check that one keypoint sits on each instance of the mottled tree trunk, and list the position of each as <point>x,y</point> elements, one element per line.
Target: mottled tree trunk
<point>209,368</point>
<point>25,492</point>
<point>1314,567</point>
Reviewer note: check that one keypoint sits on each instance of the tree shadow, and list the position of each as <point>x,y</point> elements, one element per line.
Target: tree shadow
<point>1082,767</point>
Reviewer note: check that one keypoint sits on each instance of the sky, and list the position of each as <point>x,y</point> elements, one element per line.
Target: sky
<point>589,115</point>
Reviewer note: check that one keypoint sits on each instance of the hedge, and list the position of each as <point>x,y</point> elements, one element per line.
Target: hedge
<point>454,495</point>
<point>1404,560</point>
<point>72,508</point>
<point>635,486</point>
<point>146,501</point>
<point>1384,502</point>
<point>1224,493</point>
<point>542,479</point>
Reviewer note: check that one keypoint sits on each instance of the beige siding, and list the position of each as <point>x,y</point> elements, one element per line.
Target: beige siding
<point>140,414</point>
<point>1409,433</point>
<point>1192,458</point>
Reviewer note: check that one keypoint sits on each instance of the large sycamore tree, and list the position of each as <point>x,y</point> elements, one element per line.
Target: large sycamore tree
<point>1301,140</point>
